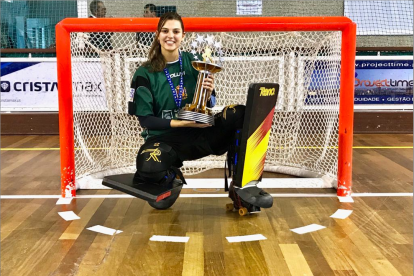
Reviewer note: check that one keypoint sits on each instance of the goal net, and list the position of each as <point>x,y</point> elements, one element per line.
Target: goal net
<point>306,63</point>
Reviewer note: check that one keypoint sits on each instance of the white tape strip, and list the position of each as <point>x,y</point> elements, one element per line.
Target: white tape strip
<point>266,183</point>
<point>68,215</point>
<point>246,238</point>
<point>90,183</point>
<point>169,238</point>
<point>345,199</point>
<point>307,229</point>
<point>28,196</point>
<point>341,214</point>
<point>204,195</point>
<point>104,230</point>
<point>64,201</point>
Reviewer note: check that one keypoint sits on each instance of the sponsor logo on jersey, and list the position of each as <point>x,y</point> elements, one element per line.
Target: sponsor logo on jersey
<point>267,91</point>
<point>178,74</point>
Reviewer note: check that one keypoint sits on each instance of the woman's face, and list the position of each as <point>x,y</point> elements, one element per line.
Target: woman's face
<point>170,36</point>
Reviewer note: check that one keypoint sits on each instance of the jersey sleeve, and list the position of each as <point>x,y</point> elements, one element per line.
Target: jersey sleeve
<point>143,98</point>
<point>143,102</point>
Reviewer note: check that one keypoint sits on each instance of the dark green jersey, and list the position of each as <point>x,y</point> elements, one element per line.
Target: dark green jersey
<point>153,95</point>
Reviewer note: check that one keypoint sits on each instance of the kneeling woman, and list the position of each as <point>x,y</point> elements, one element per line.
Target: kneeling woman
<point>164,84</point>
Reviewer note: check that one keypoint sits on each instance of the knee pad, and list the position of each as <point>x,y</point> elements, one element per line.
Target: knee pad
<point>233,116</point>
<point>155,164</point>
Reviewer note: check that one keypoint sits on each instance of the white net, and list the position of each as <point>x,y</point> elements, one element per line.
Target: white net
<point>381,23</point>
<point>304,136</point>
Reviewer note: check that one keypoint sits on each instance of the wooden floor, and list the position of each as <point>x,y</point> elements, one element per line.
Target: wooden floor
<point>377,239</point>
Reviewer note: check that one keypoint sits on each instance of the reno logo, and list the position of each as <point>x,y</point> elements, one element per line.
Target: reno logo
<point>5,86</point>
<point>267,91</point>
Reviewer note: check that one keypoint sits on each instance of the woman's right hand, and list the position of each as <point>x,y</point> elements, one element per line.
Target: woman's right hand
<point>184,123</point>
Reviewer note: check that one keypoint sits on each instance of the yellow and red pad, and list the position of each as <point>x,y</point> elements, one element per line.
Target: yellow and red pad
<point>251,147</point>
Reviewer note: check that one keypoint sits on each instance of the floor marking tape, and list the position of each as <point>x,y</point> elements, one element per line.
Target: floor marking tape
<point>169,238</point>
<point>211,195</point>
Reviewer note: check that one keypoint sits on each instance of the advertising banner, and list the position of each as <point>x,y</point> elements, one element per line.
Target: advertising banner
<point>32,86</point>
<point>380,83</point>
<point>29,86</point>
<point>384,82</point>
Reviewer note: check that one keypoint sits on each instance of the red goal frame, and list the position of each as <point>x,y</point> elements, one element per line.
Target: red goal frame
<point>215,24</point>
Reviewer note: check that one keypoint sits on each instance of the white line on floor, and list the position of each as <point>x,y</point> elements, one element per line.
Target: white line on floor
<point>211,195</point>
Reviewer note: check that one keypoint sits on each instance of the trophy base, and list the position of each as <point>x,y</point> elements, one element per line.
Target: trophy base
<point>195,116</point>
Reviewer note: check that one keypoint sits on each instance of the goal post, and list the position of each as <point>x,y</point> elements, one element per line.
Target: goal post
<point>327,71</point>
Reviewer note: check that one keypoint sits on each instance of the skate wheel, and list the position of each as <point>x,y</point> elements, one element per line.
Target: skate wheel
<point>229,206</point>
<point>243,211</point>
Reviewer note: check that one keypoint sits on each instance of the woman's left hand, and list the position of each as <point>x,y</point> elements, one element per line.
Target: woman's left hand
<point>208,84</point>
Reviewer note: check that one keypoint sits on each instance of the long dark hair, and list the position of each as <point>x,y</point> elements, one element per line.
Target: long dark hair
<point>156,60</point>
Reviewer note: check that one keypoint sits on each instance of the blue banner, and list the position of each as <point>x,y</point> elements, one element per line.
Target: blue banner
<point>384,82</point>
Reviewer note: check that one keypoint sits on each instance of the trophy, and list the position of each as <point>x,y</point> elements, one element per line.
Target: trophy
<point>198,111</point>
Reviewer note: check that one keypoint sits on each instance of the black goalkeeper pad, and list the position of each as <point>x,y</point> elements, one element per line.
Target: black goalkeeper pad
<point>251,147</point>
<point>149,192</point>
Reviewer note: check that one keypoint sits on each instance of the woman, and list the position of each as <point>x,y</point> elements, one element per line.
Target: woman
<point>162,85</point>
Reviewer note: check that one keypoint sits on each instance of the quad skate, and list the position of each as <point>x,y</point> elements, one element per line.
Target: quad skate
<point>248,200</point>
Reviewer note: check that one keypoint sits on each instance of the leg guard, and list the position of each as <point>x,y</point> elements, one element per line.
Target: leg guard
<point>155,165</point>
<point>220,137</point>
<point>252,145</point>
<point>247,157</point>
<point>170,200</point>
<point>149,192</point>
<point>231,118</point>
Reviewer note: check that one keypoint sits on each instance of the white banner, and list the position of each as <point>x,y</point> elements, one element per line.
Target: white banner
<point>249,7</point>
<point>31,85</point>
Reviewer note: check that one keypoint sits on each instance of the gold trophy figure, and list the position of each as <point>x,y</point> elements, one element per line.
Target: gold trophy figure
<point>198,110</point>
